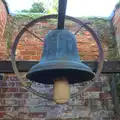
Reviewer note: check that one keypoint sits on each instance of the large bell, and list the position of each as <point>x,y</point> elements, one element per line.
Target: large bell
<point>60,58</point>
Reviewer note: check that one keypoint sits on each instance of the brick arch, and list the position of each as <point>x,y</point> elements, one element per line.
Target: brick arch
<point>6,5</point>
<point>3,20</point>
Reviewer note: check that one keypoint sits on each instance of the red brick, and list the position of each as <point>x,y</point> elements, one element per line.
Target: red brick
<point>94,49</point>
<point>2,53</point>
<point>80,37</point>
<point>84,41</point>
<point>37,115</point>
<point>9,84</point>
<point>12,77</point>
<point>88,58</point>
<point>95,53</point>
<point>92,89</point>
<point>86,33</point>
<point>10,90</point>
<point>18,95</point>
<point>105,95</point>
<point>28,52</point>
<point>117,13</point>
<point>2,48</point>
<point>22,108</point>
<point>20,47</point>
<point>6,95</point>
<point>3,18</point>
<point>20,57</point>
<point>2,114</point>
<point>89,37</point>
<point>84,49</point>
<point>27,47</point>
<point>2,84</point>
<point>21,95</point>
<point>118,21</point>
<point>2,108</point>
<point>9,102</point>
<point>2,58</point>
<point>22,43</point>
<point>35,58</point>
<point>21,102</point>
<point>30,42</point>
<point>118,30</point>
<point>26,57</point>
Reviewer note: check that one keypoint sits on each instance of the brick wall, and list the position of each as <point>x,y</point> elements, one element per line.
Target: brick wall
<point>116,24</point>
<point>3,19</point>
<point>30,48</point>
<point>17,103</point>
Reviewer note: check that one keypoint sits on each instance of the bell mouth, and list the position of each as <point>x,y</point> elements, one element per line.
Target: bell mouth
<point>47,72</point>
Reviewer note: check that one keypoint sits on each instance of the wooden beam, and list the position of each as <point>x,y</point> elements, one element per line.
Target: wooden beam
<point>23,66</point>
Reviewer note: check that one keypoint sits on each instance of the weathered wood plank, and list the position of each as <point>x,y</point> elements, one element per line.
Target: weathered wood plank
<point>23,66</point>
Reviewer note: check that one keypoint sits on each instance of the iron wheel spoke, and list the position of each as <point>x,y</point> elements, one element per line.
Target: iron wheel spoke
<point>81,27</point>
<point>34,35</point>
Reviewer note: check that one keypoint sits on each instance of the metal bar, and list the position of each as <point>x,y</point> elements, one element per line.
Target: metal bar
<point>78,30</point>
<point>110,67</point>
<point>34,35</point>
<point>81,27</point>
<point>61,13</point>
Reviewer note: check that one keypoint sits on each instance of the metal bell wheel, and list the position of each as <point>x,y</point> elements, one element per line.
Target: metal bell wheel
<point>60,56</point>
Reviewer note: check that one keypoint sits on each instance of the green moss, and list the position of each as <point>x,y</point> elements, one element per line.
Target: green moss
<point>26,16</point>
<point>8,33</point>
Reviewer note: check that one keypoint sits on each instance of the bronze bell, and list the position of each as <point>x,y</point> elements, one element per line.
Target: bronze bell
<point>60,59</point>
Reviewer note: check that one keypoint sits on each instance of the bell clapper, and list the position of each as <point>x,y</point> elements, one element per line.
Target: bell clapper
<point>61,93</point>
